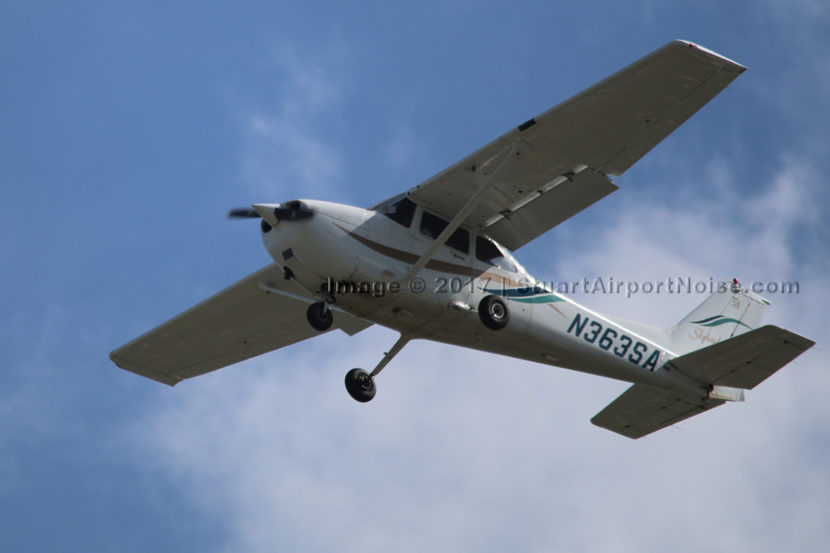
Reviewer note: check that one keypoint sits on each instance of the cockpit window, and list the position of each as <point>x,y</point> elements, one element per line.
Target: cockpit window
<point>459,240</point>
<point>400,210</point>
<point>488,252</point>
<point>432,226</point>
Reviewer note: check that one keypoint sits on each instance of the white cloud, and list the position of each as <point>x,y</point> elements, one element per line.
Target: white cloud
<point>289,157</point>
<point>467,451</point>
<point>714,233</point>
<point>287,151</point>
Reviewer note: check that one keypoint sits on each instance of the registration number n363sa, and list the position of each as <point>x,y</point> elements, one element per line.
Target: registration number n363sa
<point>618,343</point>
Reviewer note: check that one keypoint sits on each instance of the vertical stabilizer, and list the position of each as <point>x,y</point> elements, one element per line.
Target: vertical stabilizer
<point>730,311</point>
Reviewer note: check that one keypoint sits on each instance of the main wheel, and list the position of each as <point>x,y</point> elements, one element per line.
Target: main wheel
<point>360,385</point>
<point>493,312</point>
<point>319,316</point>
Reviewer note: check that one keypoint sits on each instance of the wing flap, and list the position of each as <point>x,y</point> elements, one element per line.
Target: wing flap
<point>607,128</point>
<point>564,200</point>
<point>240,322</point>
<point>745,360</point>
<point>642,409</point>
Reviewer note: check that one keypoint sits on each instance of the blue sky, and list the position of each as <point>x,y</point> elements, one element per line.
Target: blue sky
<point>127,132</point>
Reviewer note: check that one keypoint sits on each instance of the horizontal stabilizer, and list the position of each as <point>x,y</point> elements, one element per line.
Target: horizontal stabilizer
<point>738,363</point>
<point>642,409</point>
<point>746,360</point>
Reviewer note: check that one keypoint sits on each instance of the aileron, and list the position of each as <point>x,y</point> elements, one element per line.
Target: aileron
<point>606,128</point>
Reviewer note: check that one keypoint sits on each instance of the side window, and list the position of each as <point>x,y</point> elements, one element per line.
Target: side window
<point>432,226</point>
<point>488,252</point>
<point>402,211</point>
<point>459,240</point>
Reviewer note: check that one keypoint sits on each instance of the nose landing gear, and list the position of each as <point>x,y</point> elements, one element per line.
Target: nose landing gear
<point>361,385</point>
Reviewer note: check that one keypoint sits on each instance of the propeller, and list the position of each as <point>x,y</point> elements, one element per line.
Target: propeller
<point>243,213</point>
<point>273,213</point>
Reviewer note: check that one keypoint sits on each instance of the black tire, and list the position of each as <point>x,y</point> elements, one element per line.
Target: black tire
<point>360,385</point>
<point>319,316</point>
<point>493,312</point>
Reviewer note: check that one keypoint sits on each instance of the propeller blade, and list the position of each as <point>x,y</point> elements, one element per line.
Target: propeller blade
<point>243,213</point>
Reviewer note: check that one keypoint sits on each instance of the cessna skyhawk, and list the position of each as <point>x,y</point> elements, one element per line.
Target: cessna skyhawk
<point>435,263</point>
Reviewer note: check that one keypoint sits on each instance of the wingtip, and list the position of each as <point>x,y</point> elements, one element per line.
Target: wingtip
<point>124,364</point>
<point>723,59</point>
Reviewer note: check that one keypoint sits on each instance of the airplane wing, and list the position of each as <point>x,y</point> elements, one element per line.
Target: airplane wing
<point>249,318</point>
<point>740,362</point>
<point>567,153</point>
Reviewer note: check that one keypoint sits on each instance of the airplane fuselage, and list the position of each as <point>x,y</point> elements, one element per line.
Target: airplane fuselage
<point>357,258</point>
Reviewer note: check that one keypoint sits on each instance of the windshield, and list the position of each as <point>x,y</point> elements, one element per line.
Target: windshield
<point>490,253</point>
<point>400,209</point>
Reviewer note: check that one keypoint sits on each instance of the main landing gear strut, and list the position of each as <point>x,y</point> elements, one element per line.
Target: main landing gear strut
<point>319,313</point>
<point>492,310</point>
<point>361,385</point>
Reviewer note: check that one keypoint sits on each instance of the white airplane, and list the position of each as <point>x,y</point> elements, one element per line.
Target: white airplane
<point>433,263</point>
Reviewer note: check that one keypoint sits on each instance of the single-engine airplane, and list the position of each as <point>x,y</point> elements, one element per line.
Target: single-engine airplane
<point>434,263</point>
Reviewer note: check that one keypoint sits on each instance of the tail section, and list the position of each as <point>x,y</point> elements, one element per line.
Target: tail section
<point>729,312</point>
<point>722,347</point>
<point>730,367</point>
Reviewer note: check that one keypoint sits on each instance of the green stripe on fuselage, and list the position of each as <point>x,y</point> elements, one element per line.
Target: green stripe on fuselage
<point>547,298</point>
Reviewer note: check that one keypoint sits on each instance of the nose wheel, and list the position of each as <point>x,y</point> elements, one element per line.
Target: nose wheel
<point>361,385</point>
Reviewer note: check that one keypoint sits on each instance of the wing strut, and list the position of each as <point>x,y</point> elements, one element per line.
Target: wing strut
<point>464,212</point>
